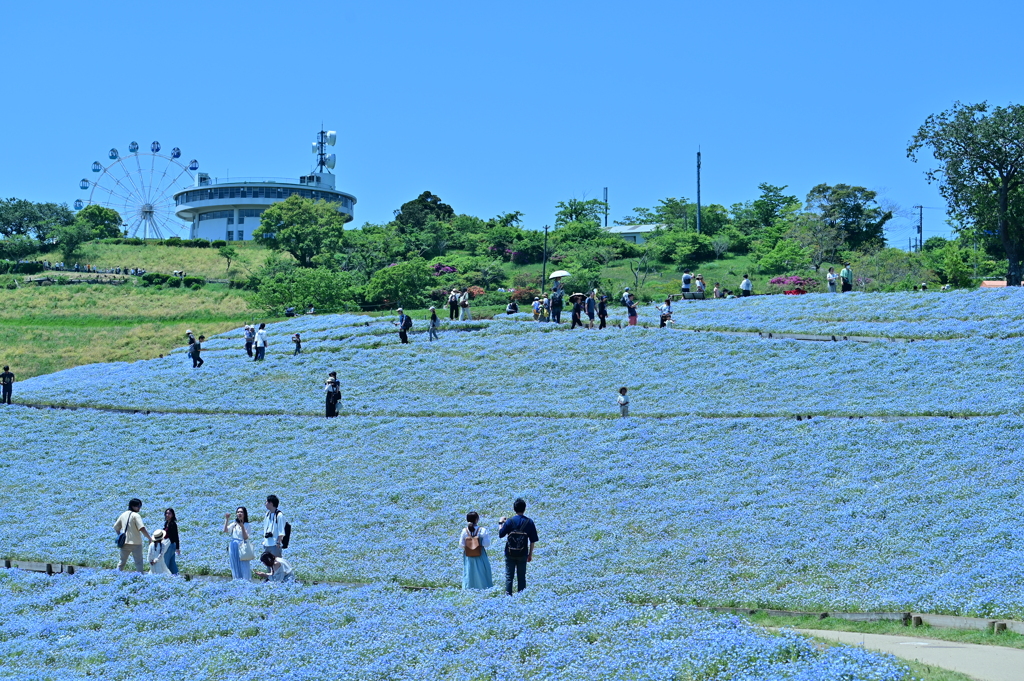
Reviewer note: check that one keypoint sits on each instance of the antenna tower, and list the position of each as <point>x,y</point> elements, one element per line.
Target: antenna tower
<point>325,162</point>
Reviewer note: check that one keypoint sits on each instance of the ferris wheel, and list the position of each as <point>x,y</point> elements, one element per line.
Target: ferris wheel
<point>140,186</point>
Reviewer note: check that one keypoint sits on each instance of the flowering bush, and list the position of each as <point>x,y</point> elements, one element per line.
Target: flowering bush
<point>440,269</point>
<point>793,282</point>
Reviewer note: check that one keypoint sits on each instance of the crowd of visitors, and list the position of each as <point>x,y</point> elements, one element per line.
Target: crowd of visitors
<point>92,269</point>
<point>519,532</point>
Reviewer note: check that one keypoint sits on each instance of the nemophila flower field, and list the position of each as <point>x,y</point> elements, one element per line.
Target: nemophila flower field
<point>995,313</point>
<point>712,495</point>
<point>118,627</point>
<point>512,367</point>
<point>830,513</point>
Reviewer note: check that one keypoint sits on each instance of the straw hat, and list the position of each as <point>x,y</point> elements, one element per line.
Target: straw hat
<point>159,535</point>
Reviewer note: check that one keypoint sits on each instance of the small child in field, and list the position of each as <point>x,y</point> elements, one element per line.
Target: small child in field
<point>623,401</point>
<point>298,344</point>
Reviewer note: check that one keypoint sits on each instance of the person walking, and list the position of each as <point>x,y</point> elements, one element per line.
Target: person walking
<point>273,526</point>
<point>746,286</point>
<point>434,324</point>
<point>7,384</point>
<point>404,323</point>
<point>602,312</point>
<point>298,344</point>
<point>332,388</point>
<point>240,548</point>
<point>545,309</point>
<point>577,310</point>
<point>191,340</point>
<point>556,299</point>
<point>280,569</point>
<point>831,277</point>
<point>130,524</point>
<point>623,401</point>
<point>476,565</point>
<point>171,531</point>
<point>521,536</point>
<point>590,307</point>
<point>631,309</point>
<point>536,308</point>
<point>453,305</point>
<point>846,274</point>
<point>260,342</point>
<point>197,349</point>
<point>157,556</point>
<point>250,336</point>
<point>464,313</point>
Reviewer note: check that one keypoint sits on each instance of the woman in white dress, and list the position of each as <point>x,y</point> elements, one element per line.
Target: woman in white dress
<point>476,565</point>
<point>239,532</point>
<point>158,550</point>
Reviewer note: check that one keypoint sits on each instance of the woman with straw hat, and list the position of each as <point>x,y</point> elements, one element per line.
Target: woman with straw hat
<point>157,557</point>
<point>333,390</point>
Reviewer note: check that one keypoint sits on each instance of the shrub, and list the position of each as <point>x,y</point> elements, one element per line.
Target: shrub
<point>14,267</point>
<point>238,283</point>
<point>194,281</point>
<point>217,243</point>
<point>792,282</point>
<point>173,241</point>
<point>154,279</point>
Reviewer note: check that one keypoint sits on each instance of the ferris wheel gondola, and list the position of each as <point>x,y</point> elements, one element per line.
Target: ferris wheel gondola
<point>141,187</point>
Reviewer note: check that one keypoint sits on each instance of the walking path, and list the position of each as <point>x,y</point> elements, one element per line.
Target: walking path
<point>985,663</point>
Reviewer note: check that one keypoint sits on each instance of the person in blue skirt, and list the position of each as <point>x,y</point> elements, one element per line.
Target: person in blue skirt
<point>239,531</point>
<point>476,566</point>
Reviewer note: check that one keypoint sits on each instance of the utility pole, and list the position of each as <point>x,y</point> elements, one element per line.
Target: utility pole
<point>544,271</point>
<point>698,190</point>
<point>606,206</point>
<point>920,228</point>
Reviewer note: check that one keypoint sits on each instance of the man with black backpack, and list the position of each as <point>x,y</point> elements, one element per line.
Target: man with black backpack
<point>520,535</point>
<point>276,532</point>
<point>404,323</point>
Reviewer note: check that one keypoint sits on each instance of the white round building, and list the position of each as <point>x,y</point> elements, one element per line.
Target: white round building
<point>230,209</point>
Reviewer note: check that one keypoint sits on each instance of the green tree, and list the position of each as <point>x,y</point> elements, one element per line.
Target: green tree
<point>17,247</point>
<point>105,222</point>
<point>302,227</point>
<point>229,253</point>
<point>414,214</point>
<point>582,211</point>
<point>853,211</point>
<point>980,155</point>
<point>18,216</point>
<point>71,237</point>
<point>773,205</point>
<point>786,257</point>
<point>281,285</point>
<point>403,283</point>
<point>818,237</point>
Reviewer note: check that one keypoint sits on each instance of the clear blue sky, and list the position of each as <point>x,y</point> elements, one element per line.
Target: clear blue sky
<point>503,106</point>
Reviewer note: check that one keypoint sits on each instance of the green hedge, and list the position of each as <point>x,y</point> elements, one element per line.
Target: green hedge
<point>14,267</point>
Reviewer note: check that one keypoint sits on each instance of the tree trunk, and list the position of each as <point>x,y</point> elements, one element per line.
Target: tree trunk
<point>1015,271</point>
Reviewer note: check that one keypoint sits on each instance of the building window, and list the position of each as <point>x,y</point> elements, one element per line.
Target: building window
<point>241,235</point>
<point>231,235</point>
<point>241,219</point>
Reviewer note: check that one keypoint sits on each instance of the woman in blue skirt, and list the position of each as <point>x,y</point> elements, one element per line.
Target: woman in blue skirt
<point>476,566</point>
<point>239,532</point>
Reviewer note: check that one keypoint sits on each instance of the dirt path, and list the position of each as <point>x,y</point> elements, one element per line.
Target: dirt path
<point>985,663</point>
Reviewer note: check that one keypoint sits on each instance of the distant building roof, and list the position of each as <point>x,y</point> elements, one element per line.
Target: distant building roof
<point>633,229</point>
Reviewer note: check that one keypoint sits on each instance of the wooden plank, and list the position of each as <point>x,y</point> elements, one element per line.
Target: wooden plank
<point>872,616</point>
<point>953,622</point>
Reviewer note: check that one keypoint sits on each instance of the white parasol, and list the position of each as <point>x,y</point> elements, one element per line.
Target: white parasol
<point>558,274</point>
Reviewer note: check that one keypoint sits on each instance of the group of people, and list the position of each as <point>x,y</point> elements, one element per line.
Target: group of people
<point>519,532</point>
<point>165,543</point>
<point>77,267</point>
<point>844,278</point>
<point>458,305</point>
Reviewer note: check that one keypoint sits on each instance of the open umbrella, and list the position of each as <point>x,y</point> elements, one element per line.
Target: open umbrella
<point>558,274</point>
<point>574,296</point>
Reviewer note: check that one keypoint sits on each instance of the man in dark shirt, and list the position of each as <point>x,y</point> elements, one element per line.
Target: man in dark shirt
<point>519,531</point>
<point>7,380</point>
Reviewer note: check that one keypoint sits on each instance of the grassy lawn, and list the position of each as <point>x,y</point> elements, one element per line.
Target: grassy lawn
<point>197,262</point>
<point>46,329</point>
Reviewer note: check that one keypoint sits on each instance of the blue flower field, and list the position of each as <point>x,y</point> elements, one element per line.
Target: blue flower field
<point>897,495</point>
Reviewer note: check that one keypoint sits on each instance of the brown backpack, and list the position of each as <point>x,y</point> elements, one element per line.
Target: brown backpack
<point>472,548</point>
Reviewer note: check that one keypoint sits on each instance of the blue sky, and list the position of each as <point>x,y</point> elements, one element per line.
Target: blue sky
<point>503,106</point>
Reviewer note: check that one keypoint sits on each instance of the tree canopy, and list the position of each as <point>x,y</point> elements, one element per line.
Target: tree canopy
<point>302,227</point>
<point>853,211</point>
<point>105,223</point>
<point>19,216</point>
<point>414,214</point>
<point>980,154</point>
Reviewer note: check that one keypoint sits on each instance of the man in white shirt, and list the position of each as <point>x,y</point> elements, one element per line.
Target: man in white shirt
<point>261,342</point>
<point>273,527</point>
<point>746,287</point>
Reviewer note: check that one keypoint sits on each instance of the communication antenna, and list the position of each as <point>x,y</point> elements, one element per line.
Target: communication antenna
<point>324,161</point>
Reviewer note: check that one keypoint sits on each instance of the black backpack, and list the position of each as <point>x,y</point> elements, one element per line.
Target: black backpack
<point>517,541</point>
<point>407,323</point>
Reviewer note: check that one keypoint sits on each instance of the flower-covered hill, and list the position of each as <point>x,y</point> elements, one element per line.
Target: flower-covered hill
<point>120,628</point>
<point>829,513</point>
<point>994,313</point>
<point>517,367</point>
